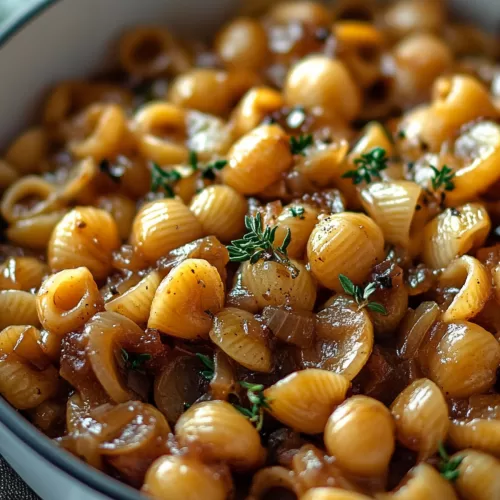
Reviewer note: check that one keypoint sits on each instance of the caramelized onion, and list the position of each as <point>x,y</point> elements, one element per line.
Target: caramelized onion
<point>293,327</point>
<point>223,382</point>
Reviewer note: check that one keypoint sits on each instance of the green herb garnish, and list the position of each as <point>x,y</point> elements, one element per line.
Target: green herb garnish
<point>297,212</point>
<point>209,373</point>
<point>208,170</point>
<point>134,360</point>
<point>361,295</point>
<point>163,179</point>
<point>259,402</point>
<point>299,144</point>
<point>258,243</point>
<point>448,466</point>
<point>442,179</point>
<point>114,172</point>
<point>368,166</point>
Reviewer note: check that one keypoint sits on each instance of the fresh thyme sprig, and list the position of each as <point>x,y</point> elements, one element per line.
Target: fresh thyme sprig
<point>209,373</point>
<point>300,143</point>
<point>134,360</point>
<point>368,166</point>
<point>207,170</point>
<point>258,243</point>
<point>163,179</point>
<point>442,179</point>
<point>297,212</point>
<point>361,295</point>
<point>448,466</point>
<point>259,402</point>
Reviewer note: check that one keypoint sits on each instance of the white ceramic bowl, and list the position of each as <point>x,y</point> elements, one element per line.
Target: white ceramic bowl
<point>52,40</point>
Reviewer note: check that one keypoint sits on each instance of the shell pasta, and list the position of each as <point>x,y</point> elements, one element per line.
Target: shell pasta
<point>266,265</point>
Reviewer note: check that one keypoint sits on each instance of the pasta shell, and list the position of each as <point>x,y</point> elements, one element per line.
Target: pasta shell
<point>454,233</point>
<point>22,273</point>
<point>421,416</point>
<point>479,475</point>
<point>392,206</point>
<point>17,308</point>
<point>465,360</point>
<point>347,243</point>
<point>423,482</point>
<point>241,337</point>
<point>344,339</point>
<point>478,433</point>
<point>366,453</point>
<point>161,226</point>
<point>332,494</point>
<point>85,237</point>
<point>474,281</point>
<point>305,399</point>
<point>272,284</point>
<point>221,433</point>
<point>187,300</point>
<point>136,302</point>
<point>221,211</point>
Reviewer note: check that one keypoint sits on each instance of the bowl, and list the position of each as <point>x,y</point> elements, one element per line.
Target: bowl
<point>47,41</point>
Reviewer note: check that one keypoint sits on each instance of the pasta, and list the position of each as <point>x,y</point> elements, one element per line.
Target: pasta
<point>266,265</point>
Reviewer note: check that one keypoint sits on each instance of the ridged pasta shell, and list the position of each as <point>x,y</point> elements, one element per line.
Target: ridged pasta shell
<point>265,480</point>
<point>392,206</point>
<point>454,233</point>
<point>221,433</point>
<point>344,339</point>
<point>36,231</point>
<point>178,478</point>
<point>221,211</point>
<point>347,243</point>
<point>272,284</point>
<point>423,482</point>
<point>67,300</point>
<point>421,416</point>
<point>474,281</point>
<point>161,226</point>
<point>479,433</point>
<point>332,494</point>
<point>17,308</point>
<point>187,300</point>
<point>465,360</point>
<point>240,336</point>
<point>257,160</point>
<point>365,453</point>
<point>136,302</point>
<point>305,399</point>
<point>479,476</point>
<point>22,273</point>
<point>85,237</point>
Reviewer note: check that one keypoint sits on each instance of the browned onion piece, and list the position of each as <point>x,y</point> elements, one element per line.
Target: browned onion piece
<point>414,328</point>
<point>293,327</point>
<point>485,406</point>
<point>270,478</point>
<point>223,382</point>
<point>179,384</point>
<point>209,249</point>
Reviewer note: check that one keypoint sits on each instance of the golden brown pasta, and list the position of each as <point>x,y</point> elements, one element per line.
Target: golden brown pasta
<point>85,237</point>
<point>22,273</point>
<point>221,211</point>
<point>161,226</point>
<point>346,243</point>
<point>222,433</point>
<point>305,399</point>
<point>472,278</point>
<point>18,308</point>
<point>187,300</point>
<point>67,300</point>
<point>364,453</point>
<point>332,494</point>
<point>241,337</point>
<point>421,416</point>
<point>28,150</point>
<point>122,209</point>
<point>8,175</point>
<point>257,159</point>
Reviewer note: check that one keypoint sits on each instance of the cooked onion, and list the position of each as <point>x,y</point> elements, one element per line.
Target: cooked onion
<point>293,327</point>
<point>223,382</point>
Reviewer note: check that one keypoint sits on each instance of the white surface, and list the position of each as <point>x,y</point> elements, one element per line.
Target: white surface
<point>68,40</point>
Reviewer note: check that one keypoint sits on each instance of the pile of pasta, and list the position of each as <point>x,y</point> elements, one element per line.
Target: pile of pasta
<point>266,267</point>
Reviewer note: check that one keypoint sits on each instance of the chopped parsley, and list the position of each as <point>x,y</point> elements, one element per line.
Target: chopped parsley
<point>297,212</point>
<point>298,145</point>
<point>448,467</point>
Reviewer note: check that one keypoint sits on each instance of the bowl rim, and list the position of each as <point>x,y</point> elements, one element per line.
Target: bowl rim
<point>9,417</point>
